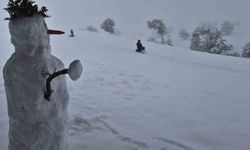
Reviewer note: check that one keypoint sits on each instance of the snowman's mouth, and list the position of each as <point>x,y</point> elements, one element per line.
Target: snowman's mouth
<point>49,31</point>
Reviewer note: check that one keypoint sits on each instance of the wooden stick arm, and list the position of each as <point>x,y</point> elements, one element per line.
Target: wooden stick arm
<point>74,71</point>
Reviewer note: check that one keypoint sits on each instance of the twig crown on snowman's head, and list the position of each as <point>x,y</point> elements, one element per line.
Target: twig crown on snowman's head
<point>24,8</point>
<point>27,8</point>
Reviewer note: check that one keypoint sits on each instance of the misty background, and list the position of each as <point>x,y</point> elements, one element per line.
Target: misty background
<point>131,15</point>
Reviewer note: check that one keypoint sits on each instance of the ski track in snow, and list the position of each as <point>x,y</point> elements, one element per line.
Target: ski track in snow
<point>123,85</point>
<point>82,126</point>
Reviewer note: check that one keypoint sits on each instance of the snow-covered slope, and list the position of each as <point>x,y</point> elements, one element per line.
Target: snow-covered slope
<point>165,99</point>
<point>169,98</point>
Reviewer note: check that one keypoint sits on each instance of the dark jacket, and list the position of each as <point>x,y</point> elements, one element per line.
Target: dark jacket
<point>139,46</point>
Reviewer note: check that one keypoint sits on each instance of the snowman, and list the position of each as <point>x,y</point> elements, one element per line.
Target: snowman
<point>35,82</point>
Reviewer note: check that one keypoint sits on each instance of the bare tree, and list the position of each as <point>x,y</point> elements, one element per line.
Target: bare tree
<point>159,26</point>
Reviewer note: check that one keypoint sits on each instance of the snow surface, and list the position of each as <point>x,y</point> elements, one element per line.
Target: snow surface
<point>166,99</point>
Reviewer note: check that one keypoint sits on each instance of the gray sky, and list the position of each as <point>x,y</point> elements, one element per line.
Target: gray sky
<point>134,13</point>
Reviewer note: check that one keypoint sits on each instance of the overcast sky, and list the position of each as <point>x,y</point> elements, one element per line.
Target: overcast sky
<point>80,13</point>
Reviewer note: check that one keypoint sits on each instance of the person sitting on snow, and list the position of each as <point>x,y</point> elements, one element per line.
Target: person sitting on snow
<point>140,47</point>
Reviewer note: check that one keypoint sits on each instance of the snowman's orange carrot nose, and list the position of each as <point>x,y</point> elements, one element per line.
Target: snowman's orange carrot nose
<point>49,31</point>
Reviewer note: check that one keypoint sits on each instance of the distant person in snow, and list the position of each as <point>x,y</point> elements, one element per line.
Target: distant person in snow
<point>72,33</point>
<point>140,47</point>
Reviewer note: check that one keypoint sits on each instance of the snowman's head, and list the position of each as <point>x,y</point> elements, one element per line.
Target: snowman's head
<point>29,36</point>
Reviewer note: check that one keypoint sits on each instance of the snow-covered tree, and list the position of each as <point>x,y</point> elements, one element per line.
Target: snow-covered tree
<point>246,50</point>
<point>184,35</point>
<point>234,54</point>
<point>159,26</point>
<point>227,28</point>
<point>209,39</point>
<point>91,29</point>
<point>168,41</point>
<point>108,26</point>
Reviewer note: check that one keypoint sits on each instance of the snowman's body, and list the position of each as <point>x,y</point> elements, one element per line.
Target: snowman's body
<point>34,122</point>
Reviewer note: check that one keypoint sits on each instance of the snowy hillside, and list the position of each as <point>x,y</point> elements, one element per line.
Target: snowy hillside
<point>131,16</point>
<point>167,99</point>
